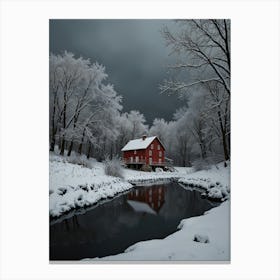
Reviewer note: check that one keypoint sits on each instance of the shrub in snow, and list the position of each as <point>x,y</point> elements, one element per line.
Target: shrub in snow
<point>146,168</point>
<point>158,169</point>
<point>224,191</point>
<point>201,164</point>
<point>201,238</point>
<point>215,193</point>
<point>61,191</point>
<point>113,167</point>
<point>169,169</point>
<point>80,160</point>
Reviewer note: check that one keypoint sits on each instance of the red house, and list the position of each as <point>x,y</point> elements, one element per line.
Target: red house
<point>145,150</point>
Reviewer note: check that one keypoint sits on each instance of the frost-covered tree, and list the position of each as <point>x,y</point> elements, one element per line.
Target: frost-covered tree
<point>160,129</point>
<point>203,75</point>
<point>138,124</point>
<point>124,126</point>
<point>83,110</point>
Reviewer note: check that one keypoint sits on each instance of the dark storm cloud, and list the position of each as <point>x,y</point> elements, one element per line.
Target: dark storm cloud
<point>133,52</point>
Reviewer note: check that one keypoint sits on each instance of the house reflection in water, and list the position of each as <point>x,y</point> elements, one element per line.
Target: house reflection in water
<point>147,199</point>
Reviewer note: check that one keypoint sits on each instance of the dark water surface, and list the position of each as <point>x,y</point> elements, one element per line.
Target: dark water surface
<point>141,214</point>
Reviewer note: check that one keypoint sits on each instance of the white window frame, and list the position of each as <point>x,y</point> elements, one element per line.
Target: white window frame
<point>158,147</point>
<point>135,152</point>
<point>152,146</point>
<point>150,152</point>
<point>160,153</point>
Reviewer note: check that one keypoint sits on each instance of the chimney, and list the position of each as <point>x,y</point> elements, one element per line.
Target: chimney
<point>144,137</point>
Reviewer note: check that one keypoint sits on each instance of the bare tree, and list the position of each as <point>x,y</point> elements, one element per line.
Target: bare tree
<point>205,48</point>
<point>203,51</point>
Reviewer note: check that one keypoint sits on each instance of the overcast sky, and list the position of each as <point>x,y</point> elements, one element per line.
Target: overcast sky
<point>133,52</point>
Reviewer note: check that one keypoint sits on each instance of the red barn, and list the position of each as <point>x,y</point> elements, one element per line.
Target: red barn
<point>145,150</point>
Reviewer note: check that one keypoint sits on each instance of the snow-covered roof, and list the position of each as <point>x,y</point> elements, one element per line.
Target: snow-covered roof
<point>138,144</point>
<point>141,207</point>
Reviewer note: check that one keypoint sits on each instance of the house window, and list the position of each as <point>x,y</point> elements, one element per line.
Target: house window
<point>135,152</point>
<point>152,146</point>
<point>150,152</point>
<point>160,153</point>
<point>158,147</point>
<point>159,160</point>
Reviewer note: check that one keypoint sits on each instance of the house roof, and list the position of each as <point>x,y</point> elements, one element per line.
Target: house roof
<point>139,144</point>
<point>141,207</point>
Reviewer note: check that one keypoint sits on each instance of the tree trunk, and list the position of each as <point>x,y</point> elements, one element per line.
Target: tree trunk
<point>62,146</point>
<point>64,125</point>
<point>53,131</point>
<point>89,150</point>
<point>70,149</point>
<point>52,144</point>
<point>82,142</point>
<point>224,139</point>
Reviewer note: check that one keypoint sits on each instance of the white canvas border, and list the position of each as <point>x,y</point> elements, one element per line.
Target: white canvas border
<point>255,138</point>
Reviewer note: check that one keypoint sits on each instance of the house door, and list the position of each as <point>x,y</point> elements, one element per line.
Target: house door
<point>137,159</point>
<point>150,161</point>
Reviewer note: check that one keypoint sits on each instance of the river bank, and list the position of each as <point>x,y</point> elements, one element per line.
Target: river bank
<point>73,186</point>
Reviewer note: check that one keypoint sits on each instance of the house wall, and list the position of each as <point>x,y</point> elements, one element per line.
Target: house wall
<point>140,153</point>
<point>153,147</point>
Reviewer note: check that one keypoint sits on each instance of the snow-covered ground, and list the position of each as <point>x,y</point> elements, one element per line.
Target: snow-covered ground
<point>215,181</point>
<point>213,228</point>
<point>74,186</point>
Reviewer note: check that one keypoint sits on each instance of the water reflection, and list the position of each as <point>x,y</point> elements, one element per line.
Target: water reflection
<point>147,199</point>
<point>142,214</point>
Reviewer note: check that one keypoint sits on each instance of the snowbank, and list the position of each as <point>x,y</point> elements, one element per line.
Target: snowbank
<point>73,186</point>
<point>138,177</point>
<point>180,246</point>
<point>215,182</point>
